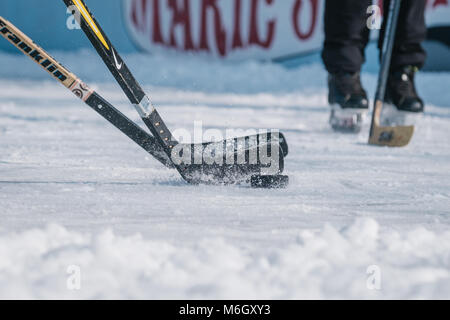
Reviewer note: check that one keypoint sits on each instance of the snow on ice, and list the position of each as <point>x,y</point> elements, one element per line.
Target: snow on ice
<point>330,263</point>
<point>85,213</point>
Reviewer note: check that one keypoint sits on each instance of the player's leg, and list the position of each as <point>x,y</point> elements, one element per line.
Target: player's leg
<point>346,36</point>
<point>402,99</point>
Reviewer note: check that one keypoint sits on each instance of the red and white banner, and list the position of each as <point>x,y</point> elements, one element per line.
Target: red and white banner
<point>238,29</point>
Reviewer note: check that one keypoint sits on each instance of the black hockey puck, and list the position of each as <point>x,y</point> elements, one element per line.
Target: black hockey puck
<point>269,182</point>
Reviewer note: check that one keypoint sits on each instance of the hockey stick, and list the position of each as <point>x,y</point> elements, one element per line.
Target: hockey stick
<point>396,136</point>
<point>199,172</point>
<point>120,121</point>
<point>82,91</point>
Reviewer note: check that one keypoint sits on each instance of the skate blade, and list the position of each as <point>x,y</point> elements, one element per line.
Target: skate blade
<point>391,116</point>
<point>347,120</point>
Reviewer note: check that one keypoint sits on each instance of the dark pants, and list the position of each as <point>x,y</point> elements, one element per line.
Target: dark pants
<point>347,34</point>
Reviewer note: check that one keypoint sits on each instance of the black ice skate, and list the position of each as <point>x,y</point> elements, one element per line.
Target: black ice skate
<point>348,101</point>
<point>402,105</point>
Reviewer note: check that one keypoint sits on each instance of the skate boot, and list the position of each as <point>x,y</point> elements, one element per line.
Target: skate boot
<point>348,101</point>
<point>402,104</point>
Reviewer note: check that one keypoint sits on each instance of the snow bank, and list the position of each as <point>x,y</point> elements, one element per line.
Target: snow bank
<point>358,261</point>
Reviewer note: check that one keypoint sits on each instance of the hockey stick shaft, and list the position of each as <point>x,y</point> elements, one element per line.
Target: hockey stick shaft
<point>124,77</point>
<point>81,90</point>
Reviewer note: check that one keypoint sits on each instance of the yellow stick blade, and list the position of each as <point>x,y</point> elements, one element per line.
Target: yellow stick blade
<point>398,136</point>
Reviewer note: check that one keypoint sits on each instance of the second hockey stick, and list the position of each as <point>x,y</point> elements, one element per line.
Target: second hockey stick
<point>395,136</point>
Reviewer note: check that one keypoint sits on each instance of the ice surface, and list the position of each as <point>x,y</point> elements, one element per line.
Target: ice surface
<point>75,191</point>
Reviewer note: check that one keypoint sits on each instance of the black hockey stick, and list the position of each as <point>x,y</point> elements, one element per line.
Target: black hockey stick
<point>395,136</point>
<point>222,171</point>
<point>90,97</point>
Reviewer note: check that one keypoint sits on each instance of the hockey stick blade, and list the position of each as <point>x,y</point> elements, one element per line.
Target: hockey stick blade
<point>395,136</point>
<point>262,139</point>
<point>230,161</point>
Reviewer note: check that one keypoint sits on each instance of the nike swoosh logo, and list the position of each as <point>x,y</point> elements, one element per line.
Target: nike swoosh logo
<point>118,65</point>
